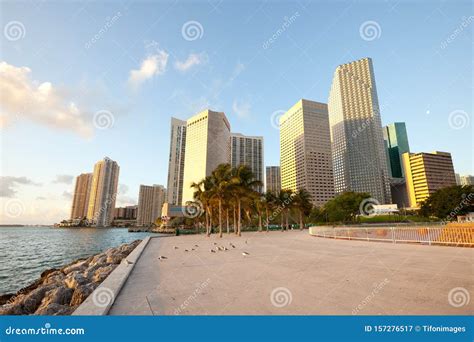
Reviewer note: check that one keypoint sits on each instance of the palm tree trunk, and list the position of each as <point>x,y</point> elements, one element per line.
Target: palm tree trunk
<point>282,213</point>
<point>220,217</point>
<point>286,225</point>
<point>227,220</point>
<point>301,219</point>
<point>238,218</point>
<point>234,226</point>
<point>266,216</point>
<point>260,221</point>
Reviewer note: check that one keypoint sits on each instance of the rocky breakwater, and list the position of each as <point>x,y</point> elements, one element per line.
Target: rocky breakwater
<point>59,291</point>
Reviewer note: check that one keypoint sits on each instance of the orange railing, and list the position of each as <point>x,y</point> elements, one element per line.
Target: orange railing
<point>450,235</point>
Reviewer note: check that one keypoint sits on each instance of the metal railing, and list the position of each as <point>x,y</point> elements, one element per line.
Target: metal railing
<point>430,235</point>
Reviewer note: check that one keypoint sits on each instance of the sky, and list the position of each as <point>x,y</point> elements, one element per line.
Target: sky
<point>83,80</point>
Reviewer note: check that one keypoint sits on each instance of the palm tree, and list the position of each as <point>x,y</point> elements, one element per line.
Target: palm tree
<point>284,199</point>
<point>302,202</point>
<point>220,179</point>
<point>269,204</point>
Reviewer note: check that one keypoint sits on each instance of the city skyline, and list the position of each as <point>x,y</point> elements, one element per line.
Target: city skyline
<point>424,102</point>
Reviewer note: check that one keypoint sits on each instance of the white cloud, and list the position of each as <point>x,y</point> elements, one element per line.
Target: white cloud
<point>9,185</point>
<point>242,109</point>
<point>65,179</point>
<point>152,65</point>
<point>22,97</point>
<point>192,60</point>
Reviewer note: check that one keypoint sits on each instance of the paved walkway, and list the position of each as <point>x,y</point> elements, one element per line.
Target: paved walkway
<point>294,273</point>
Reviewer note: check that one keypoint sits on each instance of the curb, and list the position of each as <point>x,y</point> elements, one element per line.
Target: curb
<point>99,302</point>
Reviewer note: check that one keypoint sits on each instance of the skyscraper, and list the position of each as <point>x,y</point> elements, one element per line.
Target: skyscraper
<point>358,154</point>
<point>150,202</point>
<point>103,192</point>
<point>207,146</point>
<point>176,161</point>
<point>305,151</point>
<point>273,179</point>
<point>467,180</point>
<point>246,150</point>
<point>80,201</point>
<point>396,138</point>
<point>425,173</point>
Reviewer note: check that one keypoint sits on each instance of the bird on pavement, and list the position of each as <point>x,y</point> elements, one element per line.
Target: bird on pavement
<point>245,253</point>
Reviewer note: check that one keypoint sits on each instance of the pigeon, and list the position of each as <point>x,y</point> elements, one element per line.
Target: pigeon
<point>192,249</point>
<point>245,253</point>
<point>161,257</point>
<point>226,249</point>
<point>217,249</point>
<point>175,247</point>
<point>231,245</point>
<point>196,246</point>
<point>186,250</point>
<point>128,262</point>
<point>215,243</point>
<point>212,251</point>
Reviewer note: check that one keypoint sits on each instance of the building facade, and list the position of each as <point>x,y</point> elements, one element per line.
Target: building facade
<point>425,173</point>
<point>358,151</point>
<point>247,150</point>
<point>103,193</point>
<point>207,146</point>
<point>466,180</point>
<point>126,213</point>
<point>305,151</point>
<point>396,140</point>
<point>176,161</point>
<point>150,202</point>
<point>273,179</point>
<point>80,200</point>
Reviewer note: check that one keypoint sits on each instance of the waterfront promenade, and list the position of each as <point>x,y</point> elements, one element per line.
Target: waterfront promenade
<point>297,274</point>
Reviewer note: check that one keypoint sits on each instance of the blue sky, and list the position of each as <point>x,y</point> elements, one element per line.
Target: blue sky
<point>132,59</point>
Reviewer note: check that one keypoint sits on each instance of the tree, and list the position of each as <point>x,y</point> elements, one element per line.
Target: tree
<point>220,184</point>
<point>302,202</point>
<point>345,207</point>
<point>449,202</point>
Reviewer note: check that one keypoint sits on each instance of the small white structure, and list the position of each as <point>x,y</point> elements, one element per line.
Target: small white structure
<point>384,209</point>
<point>469,217</point>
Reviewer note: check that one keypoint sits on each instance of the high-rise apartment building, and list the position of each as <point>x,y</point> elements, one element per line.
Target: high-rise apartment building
<point>150,202</point>
<point>396,140</point>
<point>126,213</point>
<point>273,179</point>
<point>358,151</point>
<point>425,173</point>
<point>305,151</point>
<point>176,161</point>
<point>247,150</point>
<point>103,193</point>
<point>80,200</point>
<point>466,180</point>
<point>207,146</point>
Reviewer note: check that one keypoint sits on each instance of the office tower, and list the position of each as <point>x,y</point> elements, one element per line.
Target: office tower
<point>103,193</point>
<point>126,213</point>
<point>150,202</point>
<point>358,153</point>
<point>273,179</point>
<point>395,135</point>
<point>246,150</point>
<point>305,151</point>
<point>467,180</point>
<point>458,179</point>
<point>425,173</point>
<point>176,161</point>
<point>80,200</point>
<point>207,146</point>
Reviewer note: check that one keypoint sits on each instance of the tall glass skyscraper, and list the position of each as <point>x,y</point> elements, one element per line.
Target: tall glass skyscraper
<point>358,151</point>
<point>396,141</point>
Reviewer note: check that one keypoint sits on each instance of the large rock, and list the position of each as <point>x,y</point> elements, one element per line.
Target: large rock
<point>75,279</point>
<point>103,272</point>
<point>32,300</point>
<point>56,277</point>
<point>79,265</point>
<point>81,293</point>
<point>54,309</point>
<point>60,295</point>
<point>115,258</point>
